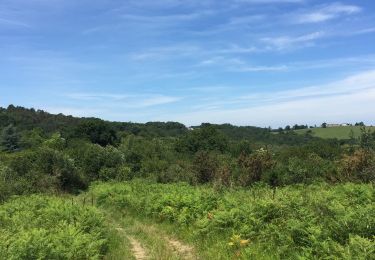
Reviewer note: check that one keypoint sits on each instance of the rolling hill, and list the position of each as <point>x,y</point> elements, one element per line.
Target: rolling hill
<point>339,132</point>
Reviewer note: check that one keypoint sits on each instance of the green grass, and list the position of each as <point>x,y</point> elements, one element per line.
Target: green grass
<point>299,222</point>
<point>49,227</point>
<point>340,132</point>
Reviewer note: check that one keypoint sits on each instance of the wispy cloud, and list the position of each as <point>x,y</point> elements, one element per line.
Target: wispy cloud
<point>234,48</point>
<point>287,42</point>
<point>158,100</point>
<point>8,22</point>
<point>325,13</point>
<point>238,65</point>
<point>165,52</point>
<point>178,17</point>
<point>270,1</point>
<point>350,85</point>
<point>348,99</point>
<point>261,68</point>
<point>124,100</point>
<point>96,96</point>
<point>80,111</point>
<point>221,61</point>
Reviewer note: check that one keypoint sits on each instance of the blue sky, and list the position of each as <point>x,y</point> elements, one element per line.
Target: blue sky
<point>246,62</point>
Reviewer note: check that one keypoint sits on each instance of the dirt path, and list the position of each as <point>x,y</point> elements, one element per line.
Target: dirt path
<point>178,248</point>
<point>148,241</point>
<point>185,251</point>
<point>138,251</point>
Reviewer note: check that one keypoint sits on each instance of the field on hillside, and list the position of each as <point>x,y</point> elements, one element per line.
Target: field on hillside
<point>295,222</point>
<point>340,132</point>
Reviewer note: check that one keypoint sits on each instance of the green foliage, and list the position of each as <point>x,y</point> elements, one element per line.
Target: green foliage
<point>46,153</point>
<point>366,139</point>
<point>315,221</point>
<point>32,138</point>
<point>205,166</point>
<point>206,138</point>
<point>97,131</point>
<point>307,170</point>
<point>43,169</point>
<point>9,139</point>
<point>56,142</point>
<point>41,227</point>
<point>97,162</point>
<point>254,166</point>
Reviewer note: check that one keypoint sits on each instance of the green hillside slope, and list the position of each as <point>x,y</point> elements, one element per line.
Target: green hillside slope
<point>340,132</point>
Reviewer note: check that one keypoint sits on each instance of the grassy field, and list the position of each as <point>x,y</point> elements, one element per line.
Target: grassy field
<point>178,221</point>
<point>144,220</point>
<point>340,132</point>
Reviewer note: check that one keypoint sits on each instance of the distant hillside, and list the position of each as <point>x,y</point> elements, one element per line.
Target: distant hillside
<point>106,132</point>
<point>339,132</point>
<point>27,119</point>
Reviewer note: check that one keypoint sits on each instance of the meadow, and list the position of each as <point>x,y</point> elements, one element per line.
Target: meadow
<point>317,221</point>
<point>85,188</point>
<point>339,132</point>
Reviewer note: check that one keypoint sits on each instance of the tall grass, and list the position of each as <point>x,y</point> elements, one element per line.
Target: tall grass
<point>46,227</point>
<point>316,221</point>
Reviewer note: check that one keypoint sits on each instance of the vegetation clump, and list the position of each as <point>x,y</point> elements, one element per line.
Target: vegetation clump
<point>45,227</point>
<point>314,221</point>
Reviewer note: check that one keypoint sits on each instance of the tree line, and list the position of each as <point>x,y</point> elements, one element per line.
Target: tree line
<point>42,152</point>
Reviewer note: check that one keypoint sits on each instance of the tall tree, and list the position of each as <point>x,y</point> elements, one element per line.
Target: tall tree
<point>9,139</point>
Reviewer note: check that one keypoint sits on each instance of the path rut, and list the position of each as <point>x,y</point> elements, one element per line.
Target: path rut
<point>138,251</point>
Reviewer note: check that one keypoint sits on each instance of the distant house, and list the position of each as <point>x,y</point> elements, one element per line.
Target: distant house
<point>337,125</point>
<point>333,125</point>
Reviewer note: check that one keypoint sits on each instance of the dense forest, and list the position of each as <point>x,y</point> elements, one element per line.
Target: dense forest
<point>45,152</point>
<point>54,155</point>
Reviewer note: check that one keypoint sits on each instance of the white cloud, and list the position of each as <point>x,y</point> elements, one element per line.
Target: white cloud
<point>124,100</point>
<point>286,42</point>
<point>8,22</point>
<point>96,96</point>
<point>350,99</point>
<point>167,19</point>
<point>158,100</point>
<point>237,65</point>
<point>165,52</point>
<point>270,1</point>
<point>325,13</point>
<point>261,68</point>
<point>74,111</point>
<point>237,49</point>
<point>221,61</point>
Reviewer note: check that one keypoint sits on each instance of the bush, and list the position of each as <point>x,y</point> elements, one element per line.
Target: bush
<point>41,227</point>
<point>205,165</point>
<point>254,166</point>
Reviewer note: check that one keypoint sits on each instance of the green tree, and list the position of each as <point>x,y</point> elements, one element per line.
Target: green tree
<point>97,131</point>
<point>32,138</point>
<point>366,139</point>
<point>352,141</point>
<point>56,142</point>
<point>205,166</point>
<point>254,166</point>
<point>205,138</point>
<point>9,139</point>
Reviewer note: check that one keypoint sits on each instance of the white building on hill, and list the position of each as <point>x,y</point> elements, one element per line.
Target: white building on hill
<point>337,125</point>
